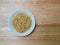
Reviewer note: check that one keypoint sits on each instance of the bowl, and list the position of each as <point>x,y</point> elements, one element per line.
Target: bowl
<point>29,30</point>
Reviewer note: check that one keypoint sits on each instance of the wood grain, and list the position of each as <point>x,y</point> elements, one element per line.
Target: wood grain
<point>45,11</point>
<point>42,35</point>
<point>47,15</point>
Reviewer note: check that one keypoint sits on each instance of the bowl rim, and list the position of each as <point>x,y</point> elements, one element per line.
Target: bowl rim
<point>29,30</point>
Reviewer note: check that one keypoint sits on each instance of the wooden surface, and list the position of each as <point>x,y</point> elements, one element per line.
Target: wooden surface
<point>47,15</point>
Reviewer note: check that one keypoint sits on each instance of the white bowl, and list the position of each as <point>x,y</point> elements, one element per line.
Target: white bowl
<point>29,30</point>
